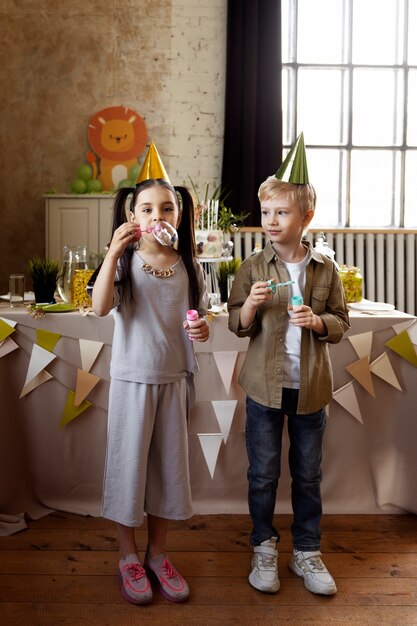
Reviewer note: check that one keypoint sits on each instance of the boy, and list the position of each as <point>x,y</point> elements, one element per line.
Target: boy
<point>287,371</point>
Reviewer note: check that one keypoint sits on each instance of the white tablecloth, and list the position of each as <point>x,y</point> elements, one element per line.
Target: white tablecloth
<point>368,467</point>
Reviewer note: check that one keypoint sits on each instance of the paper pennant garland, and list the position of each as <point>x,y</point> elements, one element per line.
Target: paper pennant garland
<point>362,343</point>
<point>401,344</point>
<point>47,339</point>
<point>346,397</point>
<point>403,325</point>
<point>39,359</point>
<point>41,378</point>
<point>6,328</point>
<point>382,367</point>
<point>85,383</point>
<point>11,323</point>
<point>226,362</point>
<point>361,372</point>
<point>224,410</point>
<point>412,332</point>
<point>210,444</point>
<point>7,346</point>
<point>71,411</point>
<point>89,352</point>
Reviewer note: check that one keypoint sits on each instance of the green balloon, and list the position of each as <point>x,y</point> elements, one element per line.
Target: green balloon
<point>126,182</point>
<point>94,186</point>
<point>84,171</point>
<point>78,186</point>
<point>134,172</point>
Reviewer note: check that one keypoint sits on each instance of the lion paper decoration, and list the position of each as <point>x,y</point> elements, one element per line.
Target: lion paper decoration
<point>118,136</point>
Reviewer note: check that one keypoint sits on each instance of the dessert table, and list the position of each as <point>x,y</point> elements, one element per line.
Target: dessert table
<point>369,462</point>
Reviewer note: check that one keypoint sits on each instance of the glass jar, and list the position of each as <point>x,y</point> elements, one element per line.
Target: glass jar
<point>74,258</point>
<point>79,295</point>
<point>352,283</point>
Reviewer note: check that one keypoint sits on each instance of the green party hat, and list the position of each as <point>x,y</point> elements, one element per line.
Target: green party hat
<point>152,166</point>
<point>294,168</point>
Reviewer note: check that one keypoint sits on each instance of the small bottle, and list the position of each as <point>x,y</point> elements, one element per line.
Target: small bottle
<point>192,316</point>
<point>294,301</point>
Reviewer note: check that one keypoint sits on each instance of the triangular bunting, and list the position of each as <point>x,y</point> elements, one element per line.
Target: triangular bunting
<point>41,378</point>
<point>47,339</point>
<point>412,332</point>
<point>401,344</point>
<point>11,323</point>
<point>89,352</point>
<point>226,362</point>
<point>382,367</point>
<point>362,343</point>
<point>224,410</point>
<point>6,329</point>
<point>7,346</point>
<point>85,383</point>
<point>210,444</point>
<point>71,411</point>
<point>403,325</point>
<point>346,397</point>
<point>39,359</point>
<point>361,372</point>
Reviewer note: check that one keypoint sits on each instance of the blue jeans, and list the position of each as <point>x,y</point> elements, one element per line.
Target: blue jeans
<point>264,443</point>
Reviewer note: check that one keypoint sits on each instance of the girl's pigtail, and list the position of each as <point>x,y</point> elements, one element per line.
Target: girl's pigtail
<point>119,218</point>
<point>186,243</point>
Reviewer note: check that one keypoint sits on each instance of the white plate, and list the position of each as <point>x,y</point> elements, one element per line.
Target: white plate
<point>29,296</point>
<point>368,305</point>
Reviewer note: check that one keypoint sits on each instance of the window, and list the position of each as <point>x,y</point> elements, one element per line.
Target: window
<point>349,82</point>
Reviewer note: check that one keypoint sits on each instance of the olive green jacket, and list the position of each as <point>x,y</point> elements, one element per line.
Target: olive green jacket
<point>262,373</point>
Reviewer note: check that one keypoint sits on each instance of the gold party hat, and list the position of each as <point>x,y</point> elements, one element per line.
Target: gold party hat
<point>152,166</point>
<point>294,168</point>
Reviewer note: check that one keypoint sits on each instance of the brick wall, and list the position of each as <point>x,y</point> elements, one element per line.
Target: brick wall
<point>61,62</point>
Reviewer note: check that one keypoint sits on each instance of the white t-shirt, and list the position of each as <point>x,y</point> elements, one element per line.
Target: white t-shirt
<point>297,273</point>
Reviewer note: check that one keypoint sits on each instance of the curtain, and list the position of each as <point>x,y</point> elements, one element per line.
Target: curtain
<point>252,148</point>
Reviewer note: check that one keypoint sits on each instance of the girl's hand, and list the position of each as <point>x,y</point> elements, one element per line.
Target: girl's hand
<point>126,233</point>
<point>199,331</point>
<point>303,316</point>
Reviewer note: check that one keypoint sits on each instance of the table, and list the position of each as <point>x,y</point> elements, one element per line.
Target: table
<point>368,467</point>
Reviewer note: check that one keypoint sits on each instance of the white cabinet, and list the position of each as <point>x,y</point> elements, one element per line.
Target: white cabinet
<point>83,220</point>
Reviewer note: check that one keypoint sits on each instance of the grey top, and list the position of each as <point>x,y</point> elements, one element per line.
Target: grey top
<point>150,344</point>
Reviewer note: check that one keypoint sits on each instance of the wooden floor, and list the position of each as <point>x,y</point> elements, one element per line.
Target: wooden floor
<point>62,571</point>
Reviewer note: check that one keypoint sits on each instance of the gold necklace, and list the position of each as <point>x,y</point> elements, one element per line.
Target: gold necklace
<point>158,273</point>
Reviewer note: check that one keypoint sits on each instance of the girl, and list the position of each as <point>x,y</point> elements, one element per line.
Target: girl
<point>150,286</point>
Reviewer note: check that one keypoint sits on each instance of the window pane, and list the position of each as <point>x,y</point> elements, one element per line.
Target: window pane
<point>372,184</point>
<point>412,39</point>
<point>320,31</point>
<point>324,167</point>
<point>412,109</point>
<point>410,213</point>
<point>319,106</point>
<point>376,26</point>
<point>377,110</point>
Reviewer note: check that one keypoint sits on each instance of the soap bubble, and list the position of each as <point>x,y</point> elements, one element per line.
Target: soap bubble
<point>165,234</point>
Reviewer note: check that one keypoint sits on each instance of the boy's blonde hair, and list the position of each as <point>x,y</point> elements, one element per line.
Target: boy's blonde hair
<point>304,196</point>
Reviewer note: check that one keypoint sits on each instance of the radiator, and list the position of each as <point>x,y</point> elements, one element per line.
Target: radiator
<point>387,260</point>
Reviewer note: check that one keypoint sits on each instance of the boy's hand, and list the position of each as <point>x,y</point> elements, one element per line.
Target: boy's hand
<point>260,292</point>
<point>303,316</point>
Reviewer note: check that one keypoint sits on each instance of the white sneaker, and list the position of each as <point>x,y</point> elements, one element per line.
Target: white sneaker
<point>264,575</point>
<point>317,578</point>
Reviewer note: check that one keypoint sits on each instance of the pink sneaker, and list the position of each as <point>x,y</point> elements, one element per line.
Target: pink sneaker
<point>134,583</point>
<point>169,582</point>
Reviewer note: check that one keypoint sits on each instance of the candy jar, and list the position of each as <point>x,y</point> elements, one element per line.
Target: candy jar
<point>74,258</point>
<point>352,283</point>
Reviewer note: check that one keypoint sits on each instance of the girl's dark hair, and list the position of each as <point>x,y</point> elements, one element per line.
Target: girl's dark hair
<point>186,236</point>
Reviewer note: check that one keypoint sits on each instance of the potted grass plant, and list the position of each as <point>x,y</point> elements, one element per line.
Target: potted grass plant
<point>226,271</point>
<point>44,274</point>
